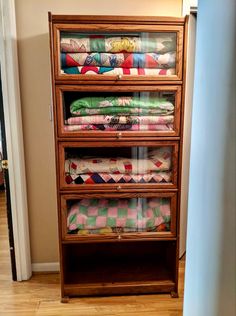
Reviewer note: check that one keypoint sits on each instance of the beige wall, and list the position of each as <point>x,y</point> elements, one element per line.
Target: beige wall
<point>33,51</point>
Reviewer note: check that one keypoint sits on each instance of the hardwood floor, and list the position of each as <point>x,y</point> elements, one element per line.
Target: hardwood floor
<point>40,296</point>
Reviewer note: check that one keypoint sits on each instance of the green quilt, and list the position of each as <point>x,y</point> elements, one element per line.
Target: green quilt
<point>121,105</point>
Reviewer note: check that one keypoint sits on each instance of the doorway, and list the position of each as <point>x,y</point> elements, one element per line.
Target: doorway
<point>5,201</point>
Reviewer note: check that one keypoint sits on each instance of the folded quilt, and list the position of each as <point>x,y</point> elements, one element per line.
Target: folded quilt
<point>158,159</point>
<point>92,70</point>
<point>115,119</point>
<point>119,230</point>
<point>125,213</point>
<point>120,110</point>
<point>149,102</point>
<point>92,178</point>
<point>119,60</point>
<point>77,43</point>
<point>118,127</point>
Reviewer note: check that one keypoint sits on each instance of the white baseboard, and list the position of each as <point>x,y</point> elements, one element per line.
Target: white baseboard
<point>46,267</point>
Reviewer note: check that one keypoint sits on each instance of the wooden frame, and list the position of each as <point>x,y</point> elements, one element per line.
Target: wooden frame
<point>115,88</point>
<point>112,236</point>
<point>77,280</point>
<point>120,187</point>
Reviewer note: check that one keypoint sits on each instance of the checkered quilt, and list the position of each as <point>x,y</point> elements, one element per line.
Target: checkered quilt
<point>139,214</point>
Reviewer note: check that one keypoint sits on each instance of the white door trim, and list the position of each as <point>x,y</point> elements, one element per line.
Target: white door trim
<point>188,6</point>
<point>14,138</point>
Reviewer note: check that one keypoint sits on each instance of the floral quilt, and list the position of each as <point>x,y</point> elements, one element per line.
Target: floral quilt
<point>77,42</point>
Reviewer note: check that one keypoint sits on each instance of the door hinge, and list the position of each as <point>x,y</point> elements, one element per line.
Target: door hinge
<point>4,164</point>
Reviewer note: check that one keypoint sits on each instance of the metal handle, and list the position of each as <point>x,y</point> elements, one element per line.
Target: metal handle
<point>119,135</point>
<point>4,164</point>
<point>118,188</point>
<point>119,77</point>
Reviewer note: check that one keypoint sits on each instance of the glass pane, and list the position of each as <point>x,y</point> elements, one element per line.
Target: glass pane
<point>123,111</point>
<point>105,216</point>
<point>118,165</point>
<point>150,54</point>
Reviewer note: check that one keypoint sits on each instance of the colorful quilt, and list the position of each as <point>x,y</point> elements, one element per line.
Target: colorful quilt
<point>161,105</point>
<point>92,70</point>
<point>120,110</point>
<point>138,214</point>
<point>92,178</point>
<point>118,127</point>
<point>158,159</point>
<point>119,230</point>
<point>79,43</point>
<point>117,119</point>
<point>119,60</point>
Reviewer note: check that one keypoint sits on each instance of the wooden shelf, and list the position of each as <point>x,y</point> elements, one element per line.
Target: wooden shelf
<point>162,286</point>
<point>132,263</point>
<point>114,239</point>
<point>115,268</point>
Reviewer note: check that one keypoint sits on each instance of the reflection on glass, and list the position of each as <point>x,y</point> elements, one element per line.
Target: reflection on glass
<point>135,111</point>
<point>151,54</point>
<point>102,216</point>
<point>118,165</point>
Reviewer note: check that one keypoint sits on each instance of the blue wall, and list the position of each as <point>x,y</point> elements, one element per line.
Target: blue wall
<point>210,283</point>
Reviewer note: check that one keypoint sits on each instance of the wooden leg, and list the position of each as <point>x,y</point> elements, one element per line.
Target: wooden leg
<point>174,294</point>
<point>65,299</point>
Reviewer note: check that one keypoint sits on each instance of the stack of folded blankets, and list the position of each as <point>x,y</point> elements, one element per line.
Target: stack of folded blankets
<point>154,55</point>
<point>153,167</point>
<point>102,216</point>
<point>113,113</point>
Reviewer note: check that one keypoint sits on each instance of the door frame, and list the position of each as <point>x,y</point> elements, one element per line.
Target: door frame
<point>7,187</point>
<point>14,138</point>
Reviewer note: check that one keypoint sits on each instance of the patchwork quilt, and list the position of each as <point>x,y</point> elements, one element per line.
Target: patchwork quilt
<point>119,60</point>
<point>137,214</point>
<point>92,70</point>
<point>118,127</point>
<point>118,119</point>
<point>158,159</point>
<point>118,230</point>
<point>93,178</point>
<point>79,43</point>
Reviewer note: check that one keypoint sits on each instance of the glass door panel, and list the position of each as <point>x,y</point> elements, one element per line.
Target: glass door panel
<point>101,166</point>
<point>90,51</point>
<point>118,216</point>
<point>109,112</point>
<point>140,53</point>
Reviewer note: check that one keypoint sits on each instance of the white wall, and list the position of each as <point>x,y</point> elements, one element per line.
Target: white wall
<point>210,288</point>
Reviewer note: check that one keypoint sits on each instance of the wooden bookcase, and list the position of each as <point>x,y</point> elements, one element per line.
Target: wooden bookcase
<point>118,258</point>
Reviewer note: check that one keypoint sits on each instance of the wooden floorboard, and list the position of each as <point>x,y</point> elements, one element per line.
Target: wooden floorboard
<point>40,296</point>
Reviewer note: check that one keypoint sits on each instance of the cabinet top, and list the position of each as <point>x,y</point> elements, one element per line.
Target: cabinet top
<point>115,19</point>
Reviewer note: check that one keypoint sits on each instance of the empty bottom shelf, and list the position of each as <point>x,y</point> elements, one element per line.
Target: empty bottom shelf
<point>119,268</point>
